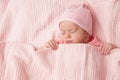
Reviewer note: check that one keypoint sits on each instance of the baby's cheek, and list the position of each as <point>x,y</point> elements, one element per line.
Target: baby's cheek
<point>63,38</point>
<point>77,38</point>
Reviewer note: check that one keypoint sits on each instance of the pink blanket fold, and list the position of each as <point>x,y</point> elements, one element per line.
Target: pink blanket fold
<point>69,62</point>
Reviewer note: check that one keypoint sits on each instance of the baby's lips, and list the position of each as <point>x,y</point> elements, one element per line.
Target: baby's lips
<point>60,41</point>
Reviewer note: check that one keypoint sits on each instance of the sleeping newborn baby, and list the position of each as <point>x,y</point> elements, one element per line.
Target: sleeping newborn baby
<point>75,25</point>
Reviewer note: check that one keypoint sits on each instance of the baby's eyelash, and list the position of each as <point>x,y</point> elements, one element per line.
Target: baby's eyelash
<point>72,30</point>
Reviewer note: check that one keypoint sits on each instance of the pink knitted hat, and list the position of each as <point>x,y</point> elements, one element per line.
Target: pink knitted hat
<point>79,15</point>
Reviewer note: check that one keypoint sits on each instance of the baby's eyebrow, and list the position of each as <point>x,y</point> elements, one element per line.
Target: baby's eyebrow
<point>72,28</point>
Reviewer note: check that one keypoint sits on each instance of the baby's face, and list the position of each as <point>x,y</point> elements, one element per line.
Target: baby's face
<point>72,33</point>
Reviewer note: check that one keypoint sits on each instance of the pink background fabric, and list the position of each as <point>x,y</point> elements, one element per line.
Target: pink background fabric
<point>28,24</point>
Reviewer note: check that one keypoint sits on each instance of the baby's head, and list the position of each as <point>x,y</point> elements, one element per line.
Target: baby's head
<point>76,24</point>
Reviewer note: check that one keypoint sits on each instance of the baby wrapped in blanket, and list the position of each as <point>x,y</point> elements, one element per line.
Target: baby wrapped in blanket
<point>75,25</point>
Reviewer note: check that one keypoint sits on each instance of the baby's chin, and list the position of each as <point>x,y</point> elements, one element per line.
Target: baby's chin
<point>68,42</point>
<point>73,42</point>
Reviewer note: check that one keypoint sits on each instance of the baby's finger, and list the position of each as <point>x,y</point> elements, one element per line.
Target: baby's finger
<point>107,51</point>
<point>51,45</point>
<point>55,44</point>
<point>102,49</point>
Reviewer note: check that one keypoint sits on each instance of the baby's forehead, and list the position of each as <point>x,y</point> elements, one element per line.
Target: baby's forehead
<point>68,25</point>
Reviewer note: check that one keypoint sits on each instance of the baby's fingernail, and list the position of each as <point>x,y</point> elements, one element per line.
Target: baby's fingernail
<point>103,53</point>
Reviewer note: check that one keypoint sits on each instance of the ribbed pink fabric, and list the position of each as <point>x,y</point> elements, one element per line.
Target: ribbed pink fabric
<point>25,25</point>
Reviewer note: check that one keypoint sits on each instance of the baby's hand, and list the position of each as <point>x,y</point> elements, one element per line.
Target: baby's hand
<point>106,48</point>
<point>53,44</point>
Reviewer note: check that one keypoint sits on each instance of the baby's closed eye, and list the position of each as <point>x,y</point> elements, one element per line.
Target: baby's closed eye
<point>72,30</point>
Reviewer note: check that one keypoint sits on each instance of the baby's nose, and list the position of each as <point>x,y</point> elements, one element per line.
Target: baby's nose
<point>67,36</point>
